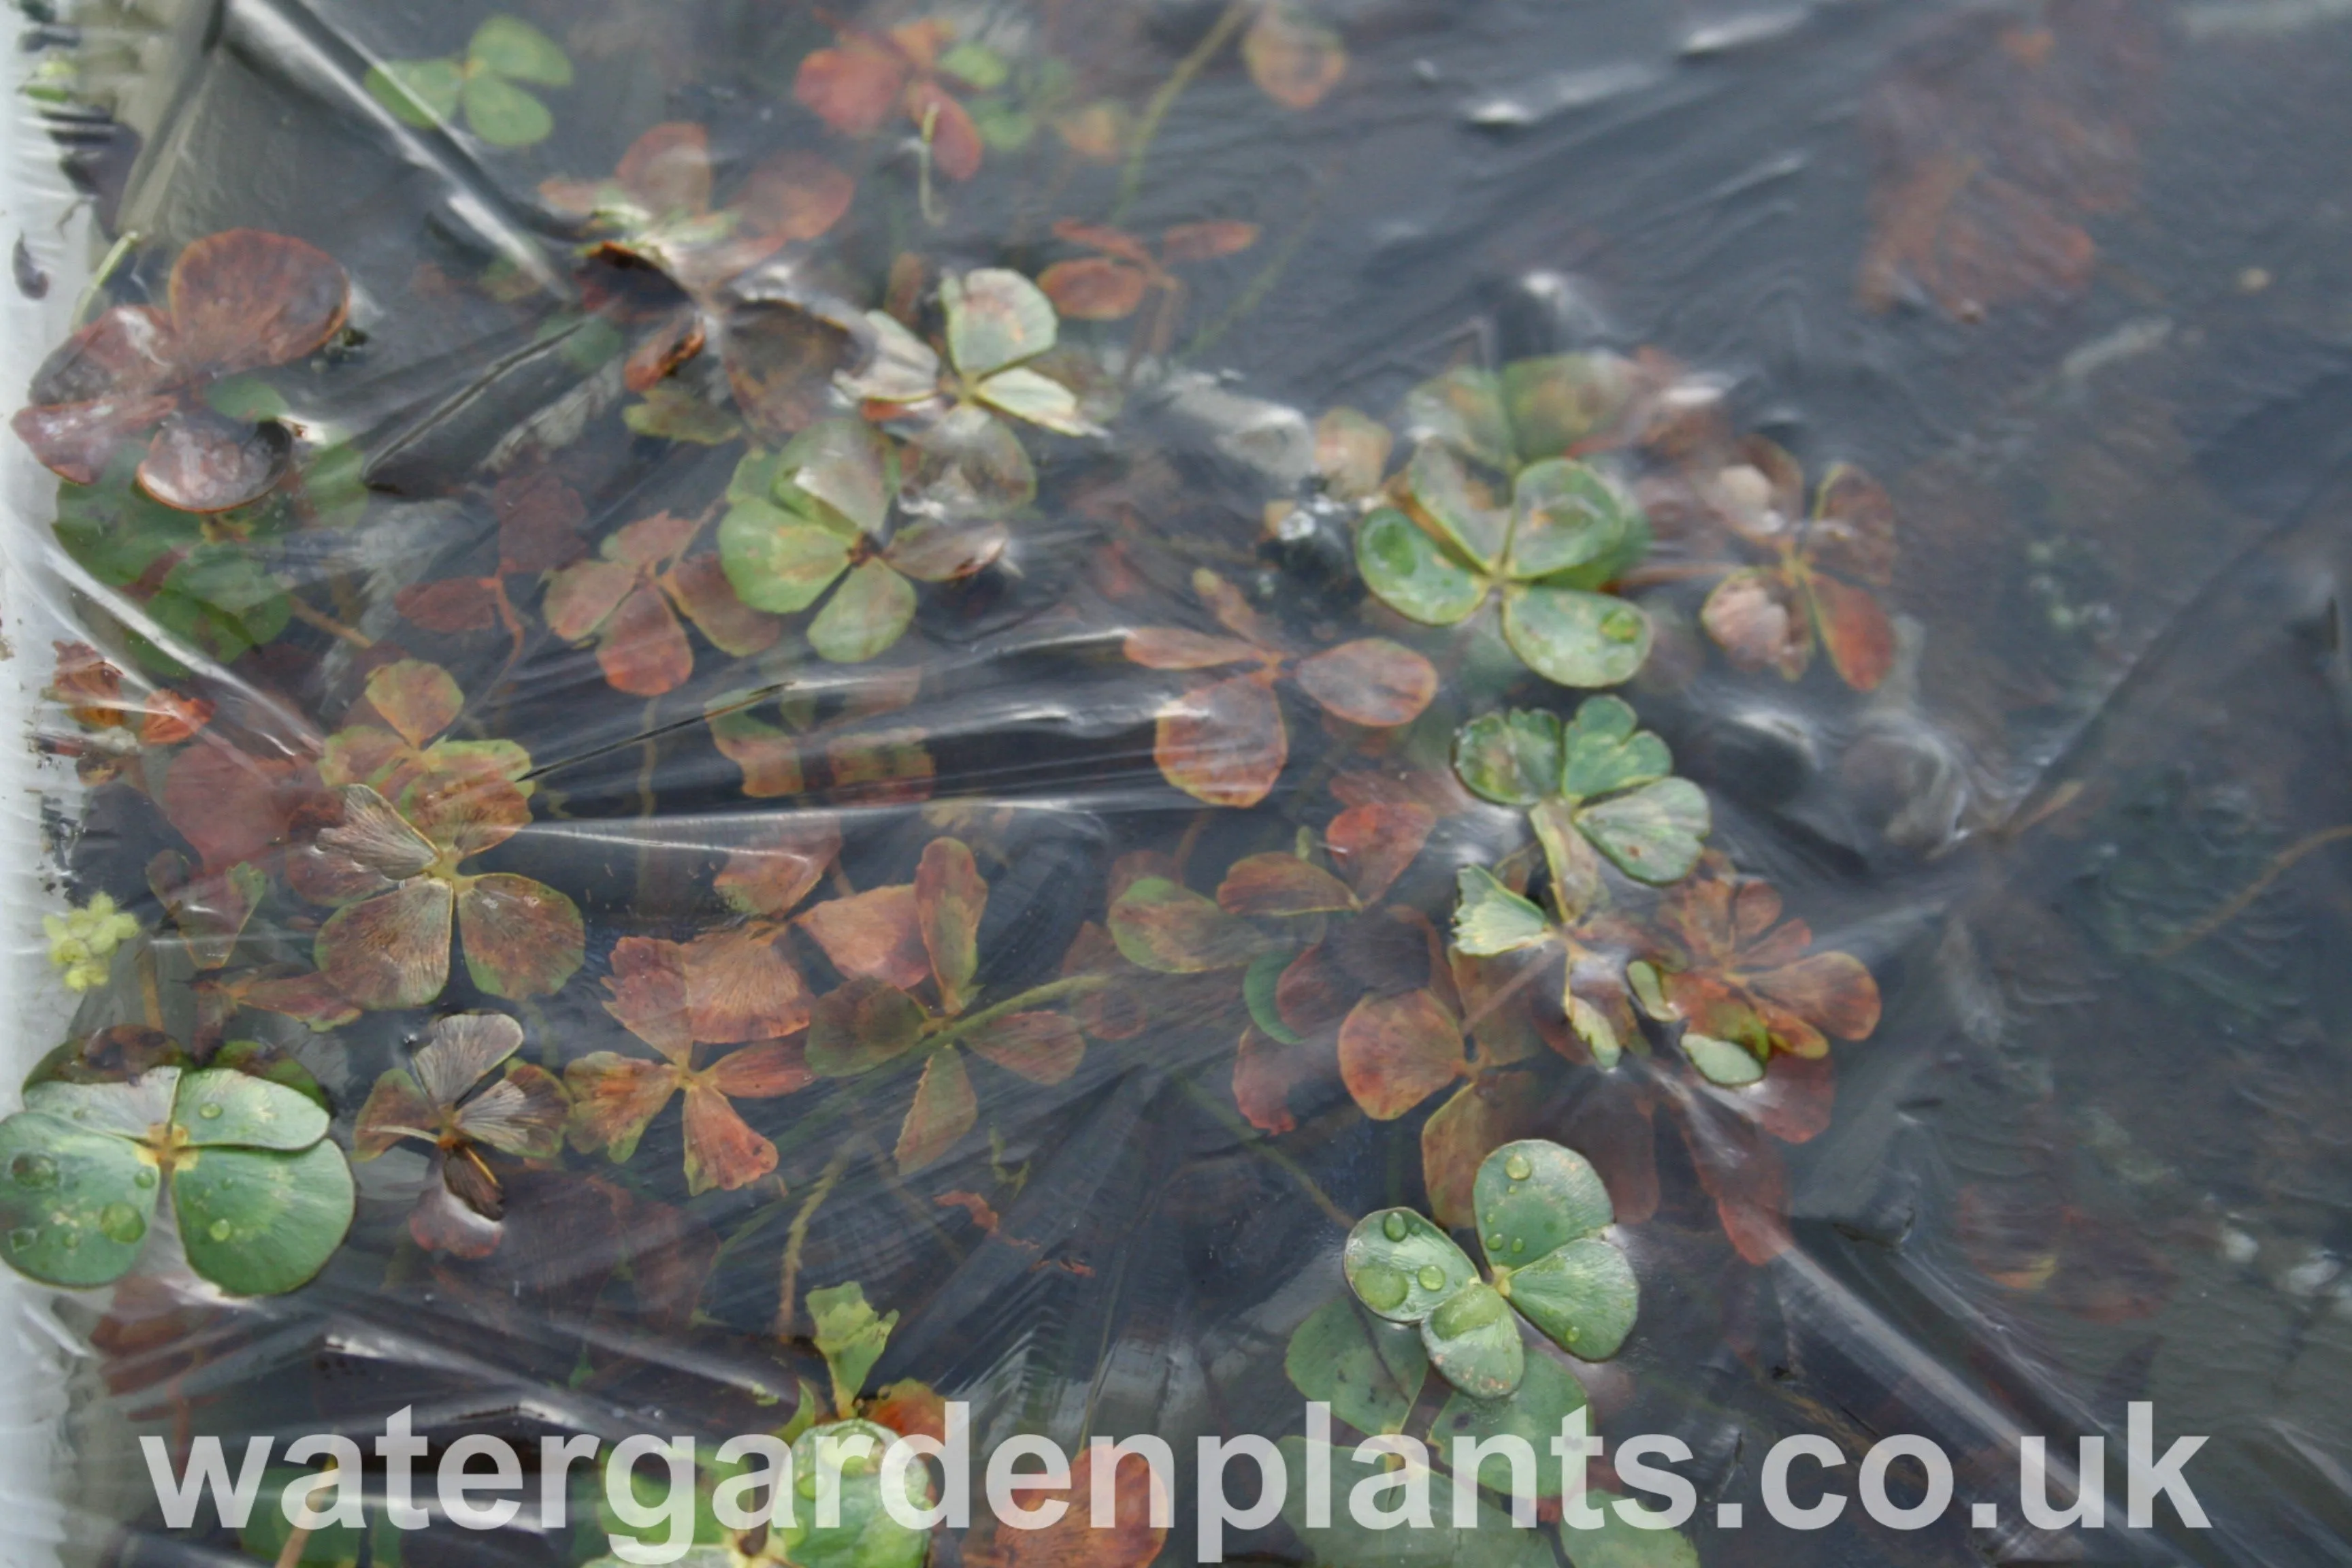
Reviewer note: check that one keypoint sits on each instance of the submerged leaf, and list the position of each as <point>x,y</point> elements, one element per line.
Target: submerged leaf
<point>1397,1051</point>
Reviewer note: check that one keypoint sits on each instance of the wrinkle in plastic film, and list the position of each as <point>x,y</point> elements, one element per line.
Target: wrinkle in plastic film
<point>748,717</point>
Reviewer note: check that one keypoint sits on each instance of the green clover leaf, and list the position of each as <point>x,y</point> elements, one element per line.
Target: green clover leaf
<point>261,1198</point>
<point>1541,1213</point>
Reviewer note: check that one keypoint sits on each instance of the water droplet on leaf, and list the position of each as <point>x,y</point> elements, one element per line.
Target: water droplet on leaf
<point>1393,1228</point>
<point>1432,1277</point>
<point>23,1238</point>
<point>32,1170</point>
<point>219,1230</point>
<point>1382,1288</point>
<point>121,1223</point>
<point>146,1176</point>
<point>1519,1168</point>
<point>210,1110</point>
<point>1621,626</point>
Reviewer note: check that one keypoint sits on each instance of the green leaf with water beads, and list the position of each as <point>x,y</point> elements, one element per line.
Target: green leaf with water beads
<point>262,1199</point>
<point>259,1222</point>
<point>1473,1341</point>
<point>74,1204</point>
<point>1402,1267</point>
<point>1541,1210</point>
<point>216,1107</point>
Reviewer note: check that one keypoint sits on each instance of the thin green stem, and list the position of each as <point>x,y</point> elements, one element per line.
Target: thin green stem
<point>1259,286</point>
<point>1130,178</point>
<point>1051,991</point>
<point>796,1239</point>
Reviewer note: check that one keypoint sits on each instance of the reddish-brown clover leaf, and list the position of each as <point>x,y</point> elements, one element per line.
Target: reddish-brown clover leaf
<point>394,871</point>
<point>866,78</point>
<point>1771,616</point>
<point>630,598</point>
<point>656,210</point>
<point>891,942</point>
<point>1124,272</point>
<point>1224,742</point>
<point>615,1097</point>
<point>239,300</point>
<point>1734,973</point>
<point>446,1098</point>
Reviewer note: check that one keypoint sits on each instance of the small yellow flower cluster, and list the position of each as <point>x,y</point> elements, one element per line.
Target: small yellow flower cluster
<point>82,941</point>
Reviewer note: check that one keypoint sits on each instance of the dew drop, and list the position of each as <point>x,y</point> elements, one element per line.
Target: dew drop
<point>146,1176</point>
<point>807,1485</point>
<point>121,1223</point>
<point>210,1110</point>
<point>23,1237</point>
<point>219,1229</point>
<point>73,1240</point>
<point>1393,1228</point>
<point>1494,1240</point>
<point>1621,626</point>
<point>1518,1246</point>
<point>1432,1277</point>
<point>1382,1288</point>
<point>34,1170</point>
<point>1519,1168</point>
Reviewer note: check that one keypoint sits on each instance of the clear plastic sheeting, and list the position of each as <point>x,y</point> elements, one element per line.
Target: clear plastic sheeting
<point>1302,720</point>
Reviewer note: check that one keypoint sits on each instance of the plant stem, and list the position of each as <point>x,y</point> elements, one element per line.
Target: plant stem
<point>1130,178</point>
<point>1051,991</point>
<point>1254,294</point>
<point>2280,865</point>
<point>796,1239</point>
<point>311,618</point>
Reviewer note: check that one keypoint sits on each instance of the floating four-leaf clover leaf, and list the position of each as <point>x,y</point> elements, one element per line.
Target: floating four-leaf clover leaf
<point>395,872</point>
<point>1224,742</point>
<point>890,940</point>
<point>445,1098</point>
<point>615,1098</point>
<point>817,515</point>
<point>629,598</point>
<point>240,300</point>
<point>999,324</point>
<point>481,84</point>
<point>1492,512</point>
<point>262,1198</point>
<point>1599,774</point>
<point>1772,617</point>
<point>1540,1212</point>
